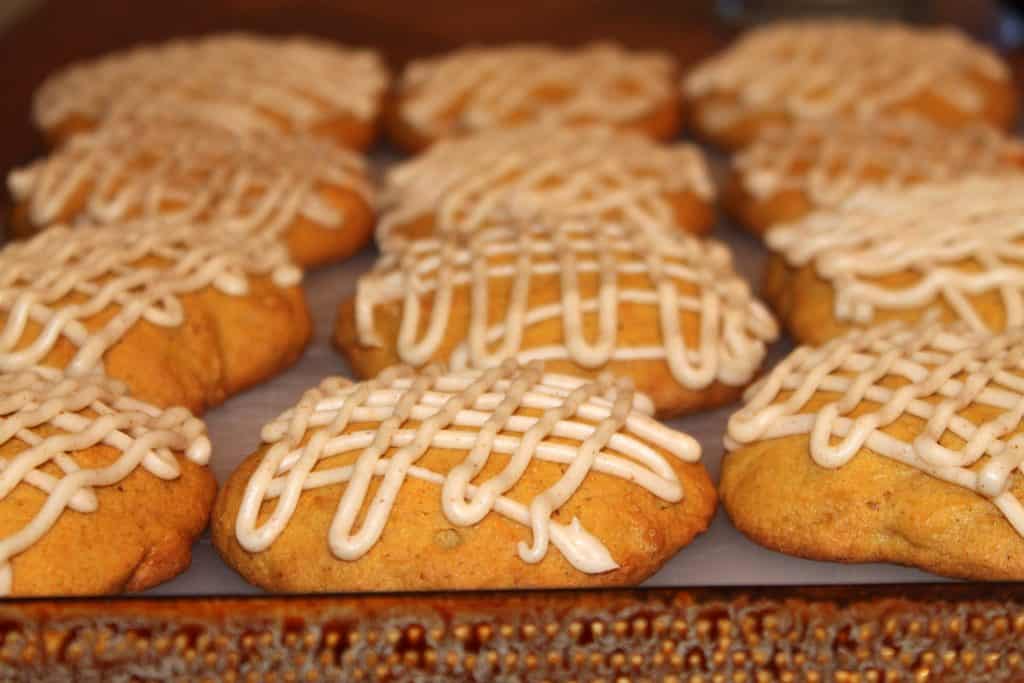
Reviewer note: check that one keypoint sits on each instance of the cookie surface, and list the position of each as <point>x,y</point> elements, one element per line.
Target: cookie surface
<point>954,248</point>
<point>483,88</point>
<point>898,444</point>
<point>241,82</point>
<point>790,171</point>
<point>843,69</point>
<point>314,196</point>
<point>507,478</point>
<point>100,492</point>
<point>660,307</point>
<point>182,315</point>
<point>538,172</point>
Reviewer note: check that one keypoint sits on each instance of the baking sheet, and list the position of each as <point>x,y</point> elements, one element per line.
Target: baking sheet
<point>720,557</point>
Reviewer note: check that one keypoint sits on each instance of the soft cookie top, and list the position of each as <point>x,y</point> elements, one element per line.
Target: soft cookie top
<point>831,69</point>
<point>480,88</point>
<point>237,81</point>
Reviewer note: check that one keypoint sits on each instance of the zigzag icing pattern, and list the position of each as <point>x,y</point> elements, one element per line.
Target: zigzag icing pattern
<point>930,231</point>
<point>942,370</point>
<point>85,411</point>
<point>478,412</point>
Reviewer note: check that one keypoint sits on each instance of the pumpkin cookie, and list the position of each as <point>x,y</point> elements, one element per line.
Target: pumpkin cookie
<point>313,195</point>
<point>242,83</point>
<point>100,492</point>
<point>955,248</point>
<point>898,444</point>
<point>538,172</point>
<point>660,307</point>
<point>790,171</point>
<point>182,314</point>
<point>482,88</point>
<point>845,69</point>
<point>505,478</point>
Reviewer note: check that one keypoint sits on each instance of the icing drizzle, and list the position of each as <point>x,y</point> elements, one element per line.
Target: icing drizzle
<point>957,240</point>
<point>477,88</point>
<point>932,372</point>
<point>78,413</point>
<point>686,275</point>
<point>541,171</point>
<point>821,69</point>
<point>479,412</point>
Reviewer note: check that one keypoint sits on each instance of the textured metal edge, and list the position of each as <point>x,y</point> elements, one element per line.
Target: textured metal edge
<point>947,632</point>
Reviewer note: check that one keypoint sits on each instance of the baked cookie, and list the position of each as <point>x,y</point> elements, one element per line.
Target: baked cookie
<point>241,82</point>
<point>843,69</point>
<point>662,308</point>
<point>956,248</point>
<point>182,314</point>
<point>313,195</point>
<point>537,172</point>
<point>463,480</point>
<point>99,492</point>
<point>790,171</point>
<point>897,444</point>
<point>481,88</point>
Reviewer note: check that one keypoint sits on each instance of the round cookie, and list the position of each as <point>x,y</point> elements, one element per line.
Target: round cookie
<point>898,444</point>
<point>662,308</point>
<point>481,88</point>
<point>314,196</point>
<point>241,82</point>
<point>182,314</point>
<point>505,478</point>
<point>791,171</point>
<point>538,172</point>
<point>99,493</point>
<point>953,248</point>
<point>843,69</point>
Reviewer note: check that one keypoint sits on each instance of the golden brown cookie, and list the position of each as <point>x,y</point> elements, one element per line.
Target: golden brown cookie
<point>505,478</point>
<point>479,88</point>
<point>182,314</point>
<point>240,82</point>
<point>100,492</point>
<point>313,195</point>
<point>897,444</point>
<point>539,172</point>
<point>790,171</point>
<point>845,69</point>
<point>660,307</point>
<point>954,248</point>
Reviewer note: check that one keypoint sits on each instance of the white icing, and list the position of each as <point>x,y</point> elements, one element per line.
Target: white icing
<point>685,274</point>
<point>62,278</point>
<point>479,412</point>
<point>541,171</point>
<point>932,372</point>
<point>958,240</point>
<point>236,81</point>
<point>824,69</point>
<point>79,413</point>
<point>477,88</point>
<point>178,172</point>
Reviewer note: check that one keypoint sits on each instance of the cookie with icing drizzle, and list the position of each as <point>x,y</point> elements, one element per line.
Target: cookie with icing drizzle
<point>898,444</point>
<point>504,478</point>
<point>661,307</point>
<point>790,171</point>
<point>241,82</point>
<point>80,458</point>
<point>846,69</point>
<point>464,185</point>
<point>480,88</point>
<point>184,314</point>
<point>314,196</point>
<point>956,248</point>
